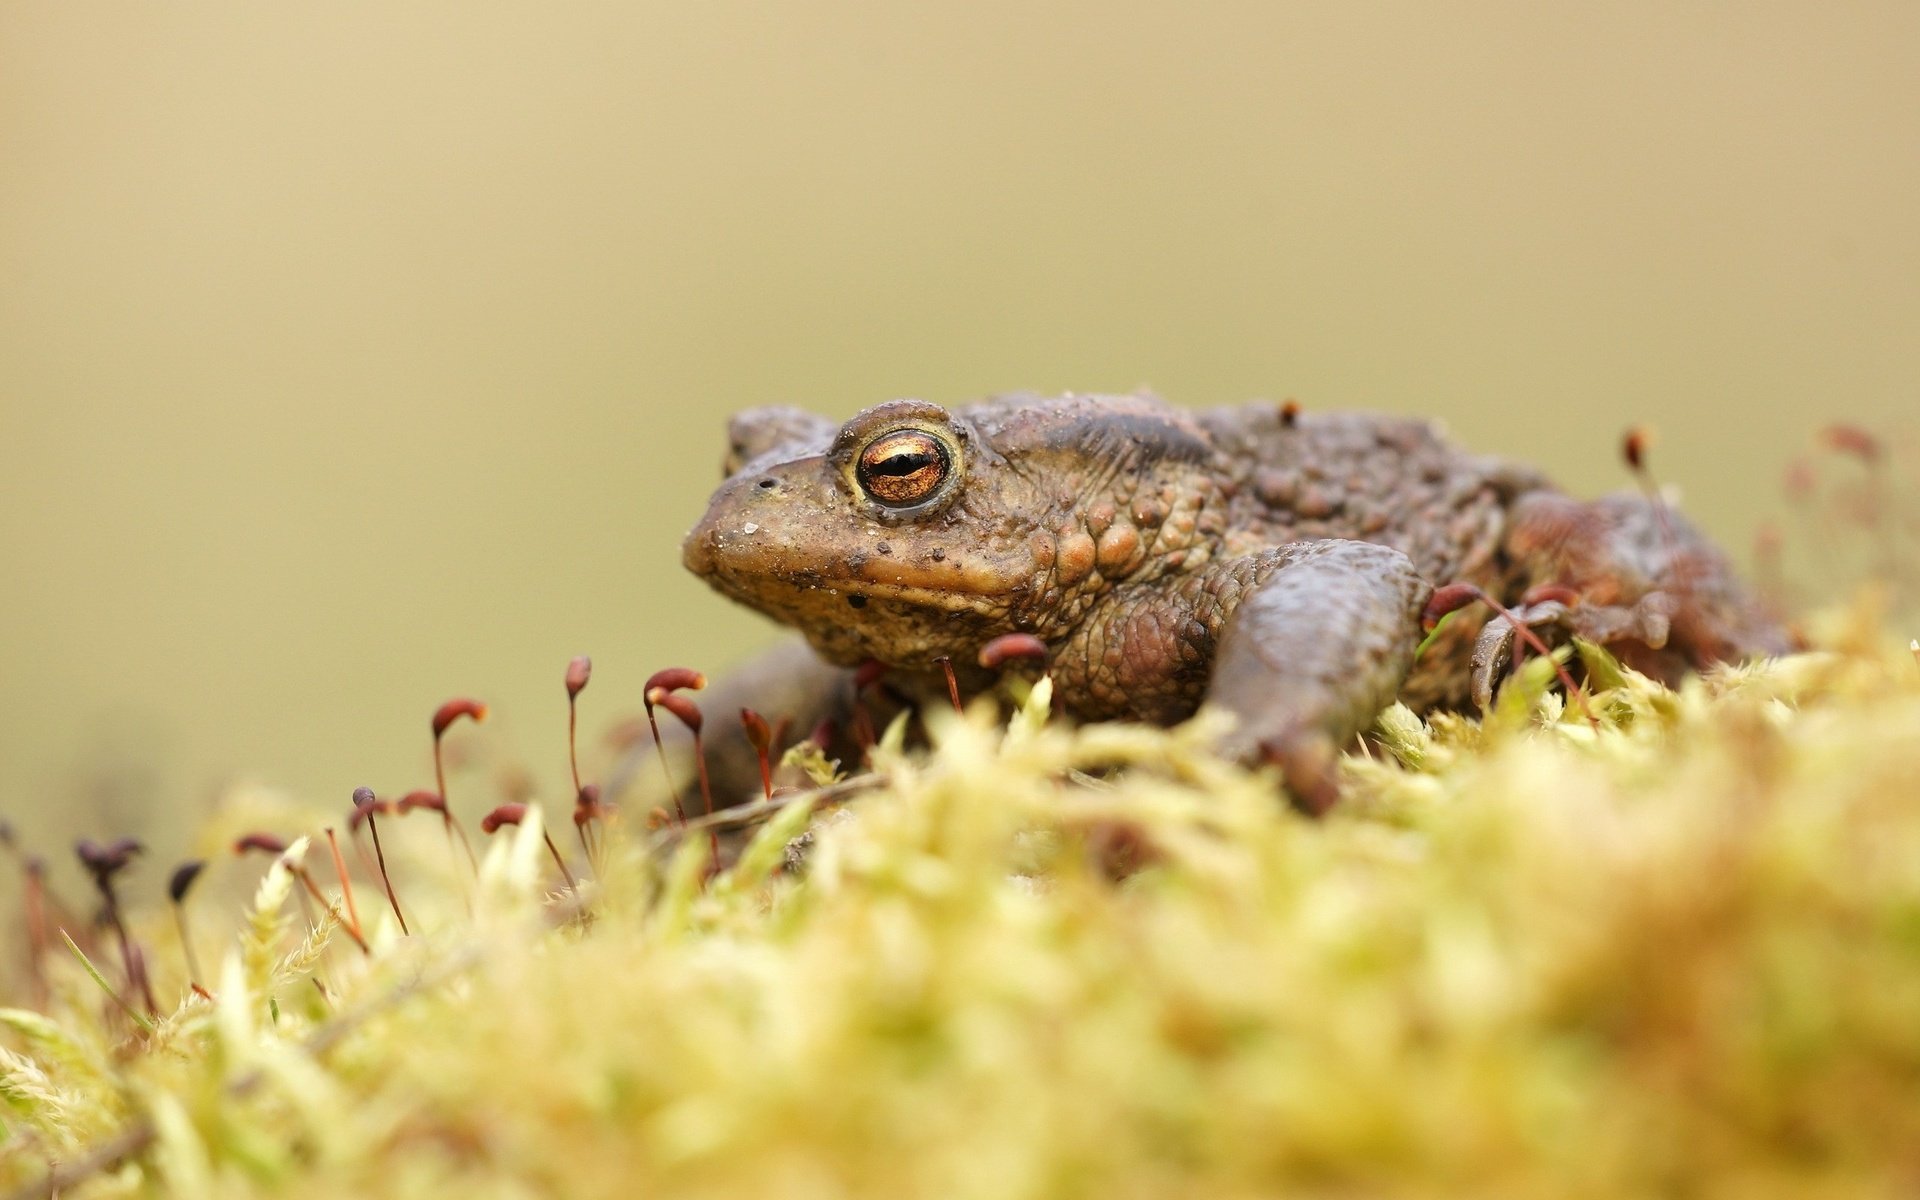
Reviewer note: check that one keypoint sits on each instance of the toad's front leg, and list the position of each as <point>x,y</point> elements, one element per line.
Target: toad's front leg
<point>1303,645</point>
<point>1313,653</point>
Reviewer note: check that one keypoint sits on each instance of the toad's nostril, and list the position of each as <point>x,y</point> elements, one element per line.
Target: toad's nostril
<point>768,483</point>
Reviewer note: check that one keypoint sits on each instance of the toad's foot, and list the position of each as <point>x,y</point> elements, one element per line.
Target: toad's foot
<point>1313,653</point>
<point>1636,577</point>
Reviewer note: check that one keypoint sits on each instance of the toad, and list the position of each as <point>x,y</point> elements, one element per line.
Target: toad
<point>1272,564</point>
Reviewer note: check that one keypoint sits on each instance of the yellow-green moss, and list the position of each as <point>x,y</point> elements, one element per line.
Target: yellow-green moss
<point>1676,955</point>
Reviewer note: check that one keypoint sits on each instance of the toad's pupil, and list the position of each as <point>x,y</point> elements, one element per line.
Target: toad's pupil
<point>906,462</point>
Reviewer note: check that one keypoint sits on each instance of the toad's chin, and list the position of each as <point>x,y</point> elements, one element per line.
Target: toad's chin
<point>848,623</point>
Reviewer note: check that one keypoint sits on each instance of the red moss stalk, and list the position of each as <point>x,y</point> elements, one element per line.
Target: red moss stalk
<point>586,810</point>
<point>953,684</point>
<point>1878,507</point>
<point>37,937</point>
<point>1455,596</point>
<point>760,737</point>
<point>865,676</point>
<point>579,672</point>
<point>33,870</point>
<point>443,717</point>
<point>689,714</point>
<point>434,802</point>
<point>346,882</point>
<point>270,844</point>
<point>364,805</point>
<point>665,682</point>
<point>103,863</point>
<point>1633,448</point>
<point>513,813</point>
<point>177,888</point>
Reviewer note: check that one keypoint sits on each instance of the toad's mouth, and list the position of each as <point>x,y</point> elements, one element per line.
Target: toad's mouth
<point>802,596</point>
<point>757,569</point>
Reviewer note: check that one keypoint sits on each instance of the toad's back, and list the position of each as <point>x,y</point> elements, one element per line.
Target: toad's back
<point>1391,480</point>
<point>1284,475</point>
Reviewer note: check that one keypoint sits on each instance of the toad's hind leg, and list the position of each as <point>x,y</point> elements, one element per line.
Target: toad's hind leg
<point>1633,575</point>
<point>1310,657</point>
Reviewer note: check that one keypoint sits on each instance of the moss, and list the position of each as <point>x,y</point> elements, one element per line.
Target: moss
<point>1676,954</point>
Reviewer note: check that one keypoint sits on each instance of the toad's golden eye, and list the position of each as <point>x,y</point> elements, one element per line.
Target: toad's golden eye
<point>903,467</point>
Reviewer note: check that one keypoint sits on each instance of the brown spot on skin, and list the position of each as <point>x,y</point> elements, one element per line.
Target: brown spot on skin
<point>1117,549</point>
<point>1276,488</point>
<point>1100,517</point>
<point>1075,558</point>
<point>1043,549</point>
<point>1148,512</point>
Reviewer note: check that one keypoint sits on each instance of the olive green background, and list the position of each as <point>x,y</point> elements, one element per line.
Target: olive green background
<point>355,355</point>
